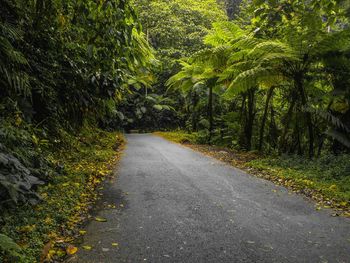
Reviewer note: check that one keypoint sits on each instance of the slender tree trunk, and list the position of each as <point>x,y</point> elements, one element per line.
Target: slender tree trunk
<point>273,129</point>
<point>320,146</point>
<point>194,113</point>
<point>287,121</point>
<point>210,112</point>
<point>298,141</point>
<point>250,119</point>
<point>263,122</point>
<point>243,118</point>
<point>308,117</point>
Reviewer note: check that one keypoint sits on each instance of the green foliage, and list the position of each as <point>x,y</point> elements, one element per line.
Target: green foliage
<point>175,29</point>
<point>16,183</point>
<point>328,174</point>
<point>276,68</point>
<point>10,248</point>
<point>179,136</point>
<point>62,65</point>
<point>84,161</point>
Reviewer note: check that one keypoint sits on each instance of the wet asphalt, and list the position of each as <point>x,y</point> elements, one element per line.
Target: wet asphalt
<point>177,205</point>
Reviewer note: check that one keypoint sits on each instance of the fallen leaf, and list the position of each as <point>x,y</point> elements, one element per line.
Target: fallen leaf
<point>82,232</point>
<point>87,247</point>
<point>115,244</point>
<point>333,187</point>
<point>100,219</point>
<point>71,250</point>
<point>335,214</point>
<point>45,251</point>
<point>105,249</point>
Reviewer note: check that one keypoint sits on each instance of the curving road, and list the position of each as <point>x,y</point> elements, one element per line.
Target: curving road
<point>176,205</point>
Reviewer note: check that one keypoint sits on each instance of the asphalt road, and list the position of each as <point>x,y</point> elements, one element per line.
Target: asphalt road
<point>176,205</point>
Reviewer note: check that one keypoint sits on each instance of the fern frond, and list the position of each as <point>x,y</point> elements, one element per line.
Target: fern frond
<point>222,33</point>
<point>340,137</point>
<point>268,47</point>
<point>246,42</point>
<point>247,79</point>
<point>326,115</point>
<point>338,41</point>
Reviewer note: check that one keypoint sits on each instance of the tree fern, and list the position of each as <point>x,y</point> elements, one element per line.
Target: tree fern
<point>13,79</point>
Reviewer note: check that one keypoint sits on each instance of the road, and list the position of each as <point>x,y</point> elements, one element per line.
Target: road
<point>177,205</point>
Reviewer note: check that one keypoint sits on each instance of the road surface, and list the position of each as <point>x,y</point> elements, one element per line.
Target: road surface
<point>176,205</point>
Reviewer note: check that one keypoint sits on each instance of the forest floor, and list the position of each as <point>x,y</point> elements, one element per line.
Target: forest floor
<point>325,180</point>
<point>172,204</point>
<point>48,230</point>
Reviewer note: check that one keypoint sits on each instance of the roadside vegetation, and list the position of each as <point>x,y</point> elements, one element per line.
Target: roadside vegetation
<point>325,179</point>
<point>268,81</point>
<point>272,87</point>
<point>48,229</point>
<point>65,66</point>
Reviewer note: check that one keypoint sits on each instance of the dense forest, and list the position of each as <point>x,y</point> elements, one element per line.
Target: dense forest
<point>263,75</point>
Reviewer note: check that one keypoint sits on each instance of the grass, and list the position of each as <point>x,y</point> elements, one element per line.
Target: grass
<point>179,136</point>
<point>325,179</point>
<point>47,229</point>
<point>328,175</point>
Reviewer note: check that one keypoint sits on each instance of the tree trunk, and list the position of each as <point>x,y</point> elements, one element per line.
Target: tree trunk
<point>210,112</point>
<point>250,119</point>
<point>299,85</point>
<point>273,129</point>
<point>287,121</point>
<point>194,113</point>
<point>298,141</point>
<point>263,122</point>
<point>320,146</point>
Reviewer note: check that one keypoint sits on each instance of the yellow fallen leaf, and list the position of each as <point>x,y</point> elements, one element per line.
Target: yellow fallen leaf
<point>333,187</point>
<point>82,232</point>
<point>121,205</point>
<point>71,250</point>
<point>115,244</point>
<point>100,219</point>
<point>87,247</point>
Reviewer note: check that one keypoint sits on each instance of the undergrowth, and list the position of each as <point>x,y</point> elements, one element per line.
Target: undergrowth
<point>179,136</point>
<point>328,174</point>
<point>46,229</point>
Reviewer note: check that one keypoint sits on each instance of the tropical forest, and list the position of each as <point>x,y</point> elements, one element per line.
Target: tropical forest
<point>174,131</point>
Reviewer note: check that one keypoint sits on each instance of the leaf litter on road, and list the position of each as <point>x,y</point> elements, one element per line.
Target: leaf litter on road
<point>100,219</point>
